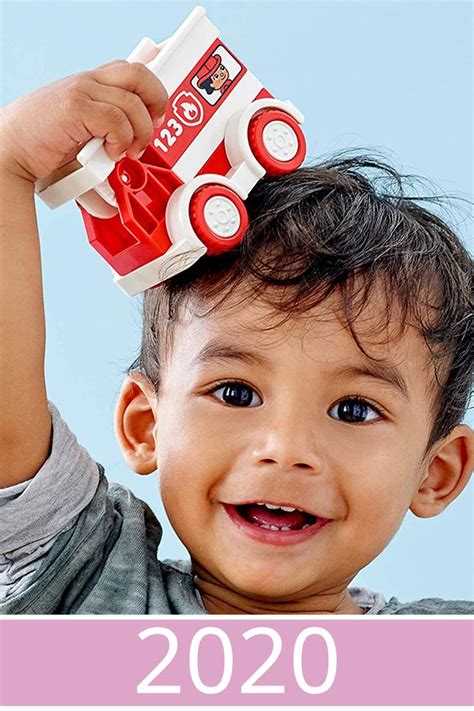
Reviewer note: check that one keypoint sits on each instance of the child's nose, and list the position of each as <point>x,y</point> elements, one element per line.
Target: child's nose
<point>289,443</point>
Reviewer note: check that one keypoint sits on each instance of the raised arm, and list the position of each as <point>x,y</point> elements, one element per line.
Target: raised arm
<point>40,133</point>
<point>25,426</point>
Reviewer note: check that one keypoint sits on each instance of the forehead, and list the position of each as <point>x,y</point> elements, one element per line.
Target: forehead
<point>319,335</point>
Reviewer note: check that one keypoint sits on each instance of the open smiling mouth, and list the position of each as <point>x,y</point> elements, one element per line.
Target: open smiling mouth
<point>274,524</point>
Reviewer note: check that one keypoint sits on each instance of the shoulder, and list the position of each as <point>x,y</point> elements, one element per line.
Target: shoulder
<point>121,495</point>
<point>428,606</point>
<point>178,581</point>
<point>133,518</point>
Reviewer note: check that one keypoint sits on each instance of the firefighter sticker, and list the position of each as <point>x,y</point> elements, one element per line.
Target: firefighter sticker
<point>215,76</point>
<point>188,108</point>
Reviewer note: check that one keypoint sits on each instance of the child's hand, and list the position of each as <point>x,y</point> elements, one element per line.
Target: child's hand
<point>46,129</point>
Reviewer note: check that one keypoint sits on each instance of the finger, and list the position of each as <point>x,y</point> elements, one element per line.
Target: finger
<point>132,106</point>
<point>137,78</point>
<point>110,123</point>
<point>71,155</point>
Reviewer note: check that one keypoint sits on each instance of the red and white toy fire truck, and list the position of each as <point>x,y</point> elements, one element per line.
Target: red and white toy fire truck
<point>223,131</point>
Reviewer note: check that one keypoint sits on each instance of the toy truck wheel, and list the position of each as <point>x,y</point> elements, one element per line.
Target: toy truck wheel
<point>277,142</point>
<point>218,217</point>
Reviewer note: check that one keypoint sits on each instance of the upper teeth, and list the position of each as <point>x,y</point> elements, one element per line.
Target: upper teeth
<point>271,506</point>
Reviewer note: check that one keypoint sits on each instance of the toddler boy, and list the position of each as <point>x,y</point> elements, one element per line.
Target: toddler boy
<point>297,395</point>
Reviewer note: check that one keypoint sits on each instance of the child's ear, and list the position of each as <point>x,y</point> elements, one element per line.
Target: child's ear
<point>447,473</point>
<point>135,422</point>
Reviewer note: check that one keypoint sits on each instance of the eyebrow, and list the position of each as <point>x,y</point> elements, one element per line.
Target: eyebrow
<point>216,351</point>
<point>384,372</point>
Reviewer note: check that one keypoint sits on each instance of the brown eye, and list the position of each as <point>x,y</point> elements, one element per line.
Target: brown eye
<point>237,395</point>
<point>355,411</point>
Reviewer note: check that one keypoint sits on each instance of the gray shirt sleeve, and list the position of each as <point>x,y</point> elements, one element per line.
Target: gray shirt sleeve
<point>34,513</point>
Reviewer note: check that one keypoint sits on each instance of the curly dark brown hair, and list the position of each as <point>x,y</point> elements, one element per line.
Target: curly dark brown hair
<point>342,226</point>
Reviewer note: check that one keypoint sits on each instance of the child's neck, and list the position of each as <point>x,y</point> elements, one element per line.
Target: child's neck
<point>219,600</point>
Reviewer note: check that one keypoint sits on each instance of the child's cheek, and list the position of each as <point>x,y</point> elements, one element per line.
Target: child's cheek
<point>376,511</point>
<point>193,453</point>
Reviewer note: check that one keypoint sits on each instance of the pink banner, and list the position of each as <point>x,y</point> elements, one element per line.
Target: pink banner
<point>205,661</point>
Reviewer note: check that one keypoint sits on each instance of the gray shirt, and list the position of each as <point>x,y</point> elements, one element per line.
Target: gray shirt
<point>73,543</point>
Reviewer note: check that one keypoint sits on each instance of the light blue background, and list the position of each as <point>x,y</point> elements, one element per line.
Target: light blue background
<point>394,76</point>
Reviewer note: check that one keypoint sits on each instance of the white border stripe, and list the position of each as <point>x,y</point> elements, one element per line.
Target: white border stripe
<point>206,142</point>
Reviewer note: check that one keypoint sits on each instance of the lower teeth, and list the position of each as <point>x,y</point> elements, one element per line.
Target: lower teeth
<point>269,527</point>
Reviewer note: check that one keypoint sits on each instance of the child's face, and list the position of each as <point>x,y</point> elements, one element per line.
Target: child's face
<point>284,436</point>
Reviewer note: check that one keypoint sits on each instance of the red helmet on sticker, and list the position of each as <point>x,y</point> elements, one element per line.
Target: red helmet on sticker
<point>208,68</point>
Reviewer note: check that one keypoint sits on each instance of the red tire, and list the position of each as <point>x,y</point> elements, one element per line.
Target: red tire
<point>218,217</point>
<point>277,141</point>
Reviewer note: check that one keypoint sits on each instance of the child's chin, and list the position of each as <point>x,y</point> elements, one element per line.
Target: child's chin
<point>259,583</point>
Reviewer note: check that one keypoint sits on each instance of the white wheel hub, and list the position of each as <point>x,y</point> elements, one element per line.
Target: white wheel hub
<point>222,216</point>
<point>280,140</point>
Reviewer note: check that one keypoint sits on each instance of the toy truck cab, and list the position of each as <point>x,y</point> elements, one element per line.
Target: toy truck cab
<point>222,131</point>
